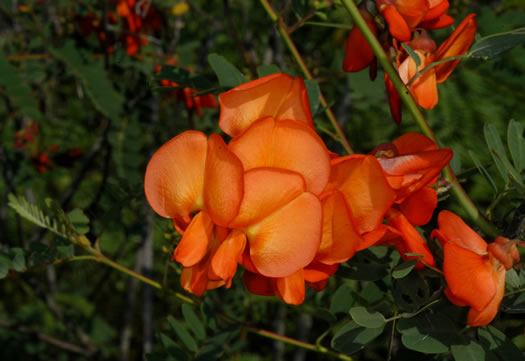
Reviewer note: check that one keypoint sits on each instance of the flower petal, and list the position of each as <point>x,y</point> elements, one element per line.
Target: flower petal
<point>436,10</point>
<point>484,317</point>
<point>175,175</point>
<point>287,240</point>
<point>228,255</point>
<point>277,95</point>
<point>410,143</point>
<point>394,100</point>
<point>224,183</point>
<point>265,191</point>
<point>413,11</point>
<point>359,54</point>
<point>258,284</point>
<point>419,207</point>
<point>457,44</point>
<point>194,243</point>
<point>453,229</point>
<point>366,191</point>
<point>339,238</point>
<point>397,25</point>
<point>412,242</point>
<point>469,276</point>
<point>296,106</point>
<point>285,144</point>
<point>290,289</point>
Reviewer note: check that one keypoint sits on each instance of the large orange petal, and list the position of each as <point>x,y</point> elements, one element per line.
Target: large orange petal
<point>453,229</point>
<point>410,143</point>
<point>413,11</point>
<point>469,276</point>
<point>361,180</point>
<point>437,8</point>
<point>243,105</point>
<point>397,25</point>
<point>290,289</point>
<point>195,241</point>
<point>296,105</point>
<point>359,54</point>
<point>175,175</point>
<point>265,191</point>
<point>287,240</point>
<point>484,317</point>
<point>412,240</point>
<point>195,279</point>
<point>340,239</point>
<point>224,183</point>
<point>225,260</point>
<point>457,44</point>
<point>258,284</point>
<point>419,207</point>
<point>441,22</point>
<point>287,145</point>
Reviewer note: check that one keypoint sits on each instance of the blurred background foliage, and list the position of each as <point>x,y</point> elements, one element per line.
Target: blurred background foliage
<point>81,112</point>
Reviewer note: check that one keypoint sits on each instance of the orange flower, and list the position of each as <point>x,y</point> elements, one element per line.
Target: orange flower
<point>265,211</point>
<point>474,271</point>
<point>402,15</point>
<point>278,95</point>
<point>359,54</point>
<point>424,88</point>
<point>411,163</point>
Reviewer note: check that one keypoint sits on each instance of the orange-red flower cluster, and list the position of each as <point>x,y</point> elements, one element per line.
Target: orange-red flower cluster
<point>277,202</point>
<point>474,271</point>
<point>139,19</point>
<point>407,22</point>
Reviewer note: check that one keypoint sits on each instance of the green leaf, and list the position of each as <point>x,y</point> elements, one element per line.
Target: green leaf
<point>94,78</point>
<point>362,317</point>
<point>483,171</point>
<point>185,79</point>
<point>314,95</point>
<point>267,69</point>
<point>4,267</point>
<point>79,221</point>
<point>17,89</point>
<point>183,334</point>
<point>404,268</point>
<point>473,351</point>
<point>413,55</point>
<point>342,300</point>
<point>494,45</point>
<point>428,333</point>
<point>172,348</point>
<point>497,342</point>
<point>364,266</point>
<point>514,175</point>
<point>228,75</point>
<point>516,144</point>
<point>494,142</point>
<point>18,261</point>
<point>352,337</point>
<point>193,321</point>
<point>210,352</point>
<point>410,292</point>
<point>512,280</point>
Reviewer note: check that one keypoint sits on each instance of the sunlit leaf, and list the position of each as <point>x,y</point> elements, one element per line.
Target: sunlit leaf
<point>314,94</point>
<point>352,337</point>
<point>183,334</point>
<point>516,144</point>
<point>193,321</point>
<point>494,142</point>
<point>404,268</point>
<point>267,69</point>
<point>483,171</point>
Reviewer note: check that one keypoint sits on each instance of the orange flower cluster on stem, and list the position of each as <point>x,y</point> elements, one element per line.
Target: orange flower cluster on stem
<point>277,202</point>
<point>407,22</point>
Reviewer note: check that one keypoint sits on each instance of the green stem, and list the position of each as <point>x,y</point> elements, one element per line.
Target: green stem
<point>409,102</point>
<point>96,255</point>
<point>294,342</point>
<point>281,26</point>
